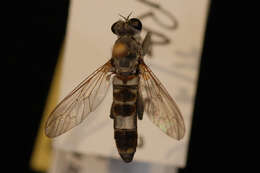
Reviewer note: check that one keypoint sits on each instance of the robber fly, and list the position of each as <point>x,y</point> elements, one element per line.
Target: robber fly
<point>135,90</point>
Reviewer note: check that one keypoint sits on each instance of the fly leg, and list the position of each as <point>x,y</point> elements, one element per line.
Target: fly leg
<point>140,106</point>
<point>111,112</point>
<point>147,45</point>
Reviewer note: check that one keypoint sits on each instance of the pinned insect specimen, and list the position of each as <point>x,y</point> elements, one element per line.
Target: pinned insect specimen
<point>135,90</point>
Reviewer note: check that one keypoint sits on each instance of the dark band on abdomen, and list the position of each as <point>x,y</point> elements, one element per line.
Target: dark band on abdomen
<point>126,142</point>
<point>124,109</point>
<point>124,95</point>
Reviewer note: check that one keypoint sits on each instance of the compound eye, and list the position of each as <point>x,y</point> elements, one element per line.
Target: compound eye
<point>116,27</point>
<point>136,23</point>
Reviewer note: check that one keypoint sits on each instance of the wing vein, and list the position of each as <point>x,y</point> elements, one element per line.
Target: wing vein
<point>82,100</point>
<point>159,105</point>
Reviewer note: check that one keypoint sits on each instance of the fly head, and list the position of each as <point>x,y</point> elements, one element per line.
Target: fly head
<point>131,26</point>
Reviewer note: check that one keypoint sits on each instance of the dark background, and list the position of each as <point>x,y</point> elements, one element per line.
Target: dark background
<point>35,32</point>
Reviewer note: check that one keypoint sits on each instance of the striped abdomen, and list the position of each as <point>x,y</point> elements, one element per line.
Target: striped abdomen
<point>124,113</point>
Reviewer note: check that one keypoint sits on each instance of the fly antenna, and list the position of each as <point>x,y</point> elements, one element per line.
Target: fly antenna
<point>125,18</point>
<point>129,15</point>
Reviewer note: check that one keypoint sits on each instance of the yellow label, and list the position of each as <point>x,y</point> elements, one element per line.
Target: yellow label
<point>41,155</point>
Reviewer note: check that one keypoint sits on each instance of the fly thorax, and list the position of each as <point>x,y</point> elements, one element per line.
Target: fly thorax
<point>125,55</point>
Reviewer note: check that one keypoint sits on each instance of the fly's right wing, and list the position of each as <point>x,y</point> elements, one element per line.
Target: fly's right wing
<point>159,105</point>
<point>85,98</point>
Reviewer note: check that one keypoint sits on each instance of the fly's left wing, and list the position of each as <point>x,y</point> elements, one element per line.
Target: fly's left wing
<point>159,105</point>
<point>75,107</point>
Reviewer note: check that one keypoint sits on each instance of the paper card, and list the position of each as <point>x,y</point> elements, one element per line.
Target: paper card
<point>178,29</point>
<point>71,162</point>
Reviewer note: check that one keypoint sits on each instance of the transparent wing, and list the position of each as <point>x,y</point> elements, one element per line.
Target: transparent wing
<point>159,105</point>
<point>75,107</point>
